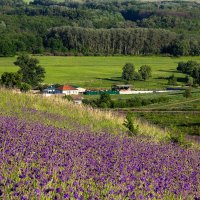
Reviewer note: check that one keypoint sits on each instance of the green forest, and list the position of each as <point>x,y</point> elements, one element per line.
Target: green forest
<point>101,27</point>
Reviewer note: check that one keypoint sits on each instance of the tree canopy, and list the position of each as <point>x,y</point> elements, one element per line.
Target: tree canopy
<point>32,73</point>
<point>145,71</point>
<point>191,68</point>
<point>10,79</point>
<point>99,27</point>
<point>128,72</point>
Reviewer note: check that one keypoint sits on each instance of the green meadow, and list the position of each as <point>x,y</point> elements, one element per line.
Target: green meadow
<point>102,72</point>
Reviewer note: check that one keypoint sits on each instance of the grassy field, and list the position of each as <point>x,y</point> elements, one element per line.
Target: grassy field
<point>188,123</point>
<point>102,72</point>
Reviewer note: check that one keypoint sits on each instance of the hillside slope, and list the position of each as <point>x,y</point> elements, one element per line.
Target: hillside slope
<point>51,149</point>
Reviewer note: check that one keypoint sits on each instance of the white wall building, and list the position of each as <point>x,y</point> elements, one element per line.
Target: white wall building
<point>68,90</point>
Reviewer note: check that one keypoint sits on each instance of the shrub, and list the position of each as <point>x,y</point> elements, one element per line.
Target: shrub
<point>137,101</point>
<point>128,123</point>
<point>179,138</point>
<point>25,87</point>
<point>187,93</point>
<point>104,101</point>
<point>146,102</point>
<point>68,97</point>
<point>172,80</point>
<point>189,80</point>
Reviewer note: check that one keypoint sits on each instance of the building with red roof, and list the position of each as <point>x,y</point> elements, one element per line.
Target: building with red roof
<point>67,89</point>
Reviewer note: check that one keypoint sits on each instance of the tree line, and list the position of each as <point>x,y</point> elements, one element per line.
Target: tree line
<point>132,41</point>
<point>173,27</point>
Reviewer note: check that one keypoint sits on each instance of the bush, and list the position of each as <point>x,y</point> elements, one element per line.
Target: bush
<point>25,87</point>
<point>68,97</point>
<point>103,105</point>
<point>104,101</point>
<point>189,80</point>
<point>187,93</point>
<point>137,101</point>
<point>146,102</point>
<point>172,80</point>
<point>179,138</point>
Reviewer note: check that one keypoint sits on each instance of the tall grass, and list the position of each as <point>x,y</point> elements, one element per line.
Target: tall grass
<point>61,113</point>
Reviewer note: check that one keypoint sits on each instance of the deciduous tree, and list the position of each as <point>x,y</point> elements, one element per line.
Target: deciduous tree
<point>32,73</point>
<point>128,72</point>
<point>145,71</point>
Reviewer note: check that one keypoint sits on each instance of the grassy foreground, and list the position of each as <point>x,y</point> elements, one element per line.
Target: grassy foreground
<point>102,72</point>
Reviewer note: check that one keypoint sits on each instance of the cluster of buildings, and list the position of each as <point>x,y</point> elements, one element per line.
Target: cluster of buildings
<point>64,89</point>
<point>74,91</point>
<point>77,92</point>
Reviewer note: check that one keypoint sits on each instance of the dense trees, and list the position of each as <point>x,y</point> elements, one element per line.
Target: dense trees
<point>112,41</point>
<point>10,79</point>
<point>32,73</point>
<point>191,68</point>
<point>129,73</point>
<point>110,27</point>
<point>7,48</point>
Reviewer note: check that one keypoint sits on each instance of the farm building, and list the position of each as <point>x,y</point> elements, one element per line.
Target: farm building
<point>67,89</point>
<point>80,89</point>
<point>121,87</point>
<point>50,89</point>
<point>77,99</point>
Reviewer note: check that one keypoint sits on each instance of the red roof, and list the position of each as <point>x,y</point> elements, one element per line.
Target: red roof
<point>66,87</point>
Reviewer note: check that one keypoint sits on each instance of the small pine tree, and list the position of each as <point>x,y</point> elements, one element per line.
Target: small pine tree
<point>128,123</point>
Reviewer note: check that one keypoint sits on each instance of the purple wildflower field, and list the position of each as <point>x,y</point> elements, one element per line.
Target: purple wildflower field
<point>45,162</point>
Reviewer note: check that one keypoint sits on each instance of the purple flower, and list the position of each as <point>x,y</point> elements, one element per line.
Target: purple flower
<point>66,196</point>
<point>58,190</point>
<point>76,195</point>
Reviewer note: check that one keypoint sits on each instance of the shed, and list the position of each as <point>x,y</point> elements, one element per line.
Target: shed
<point>121,87</point>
